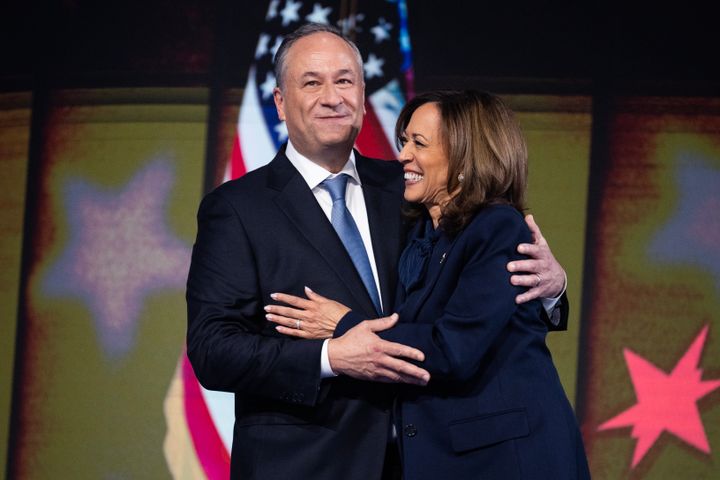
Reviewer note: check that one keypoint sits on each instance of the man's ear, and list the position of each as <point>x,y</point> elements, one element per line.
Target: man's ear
<point>279,103</point>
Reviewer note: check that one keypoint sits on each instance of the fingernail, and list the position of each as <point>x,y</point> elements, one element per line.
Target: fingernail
<point>308,289</point>
<point>267,308</point>
<point>268,316</point>
<point>273,296</point>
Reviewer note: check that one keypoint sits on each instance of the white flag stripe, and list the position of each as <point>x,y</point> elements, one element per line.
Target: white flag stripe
<point>387,103</point>
<point>256,143</point>
<point>221,406</point>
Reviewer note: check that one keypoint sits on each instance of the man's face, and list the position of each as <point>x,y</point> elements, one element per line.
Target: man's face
<point>322,99</point>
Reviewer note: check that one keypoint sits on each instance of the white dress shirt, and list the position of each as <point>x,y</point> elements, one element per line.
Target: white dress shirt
<point>314,174</point>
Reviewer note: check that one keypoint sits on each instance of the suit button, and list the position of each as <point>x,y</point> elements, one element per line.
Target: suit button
<point>410,430</point>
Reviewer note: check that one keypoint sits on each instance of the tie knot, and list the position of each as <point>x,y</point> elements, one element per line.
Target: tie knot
<point>336,187</point>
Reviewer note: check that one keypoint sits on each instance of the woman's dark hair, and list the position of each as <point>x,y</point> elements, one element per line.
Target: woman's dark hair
<point>485,148</point>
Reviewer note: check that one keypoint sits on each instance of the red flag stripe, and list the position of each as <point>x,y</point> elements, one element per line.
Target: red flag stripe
<point>372,141</point>
<point>211,451</point>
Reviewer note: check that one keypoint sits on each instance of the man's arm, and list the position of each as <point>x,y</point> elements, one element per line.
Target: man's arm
<point>226,343</point>
<point>361,353</point>
<point>541,273</point>
<point>544,277</point>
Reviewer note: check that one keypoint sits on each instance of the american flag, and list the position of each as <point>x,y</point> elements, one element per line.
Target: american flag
<point>200,421</point>
<point>380,32</point>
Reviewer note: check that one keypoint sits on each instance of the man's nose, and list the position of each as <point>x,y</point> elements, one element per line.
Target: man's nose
<point>330,95</point>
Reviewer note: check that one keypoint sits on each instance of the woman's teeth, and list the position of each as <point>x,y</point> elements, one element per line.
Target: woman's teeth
<point>413,177</point>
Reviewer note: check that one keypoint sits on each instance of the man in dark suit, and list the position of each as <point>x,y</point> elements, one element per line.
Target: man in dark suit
<point>270,232</point>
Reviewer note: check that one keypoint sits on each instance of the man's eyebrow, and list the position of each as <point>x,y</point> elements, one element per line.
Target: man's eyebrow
<point>346,71</point>
<point>312,73</point>
<point>309,74</point>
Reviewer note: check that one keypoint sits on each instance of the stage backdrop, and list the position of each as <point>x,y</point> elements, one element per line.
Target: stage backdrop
<point>650,375</point>
<point>102,385</point>
<point>14,141</point>
<point>118,181</point>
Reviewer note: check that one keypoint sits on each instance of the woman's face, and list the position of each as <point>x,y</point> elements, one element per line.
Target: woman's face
<point>424,160</point>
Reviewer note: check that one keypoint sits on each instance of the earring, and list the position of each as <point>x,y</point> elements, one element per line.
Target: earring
<point>461,177</point>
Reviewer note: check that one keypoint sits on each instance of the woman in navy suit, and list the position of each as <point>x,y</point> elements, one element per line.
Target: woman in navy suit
<point>494,406</point>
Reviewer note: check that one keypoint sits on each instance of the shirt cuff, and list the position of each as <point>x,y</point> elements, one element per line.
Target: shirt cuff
<point>550,303</point>
<point>325,370</point>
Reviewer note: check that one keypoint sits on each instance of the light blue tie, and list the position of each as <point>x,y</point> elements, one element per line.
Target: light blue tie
<point>348,232</point>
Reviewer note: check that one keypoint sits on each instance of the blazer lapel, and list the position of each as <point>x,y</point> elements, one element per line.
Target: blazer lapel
<point>438,260</point>
<point>300,207</point>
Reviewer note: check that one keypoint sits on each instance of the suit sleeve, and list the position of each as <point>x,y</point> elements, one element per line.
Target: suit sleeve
<point>226,343</point>
<point>348,321</point>
<point>480,306</point>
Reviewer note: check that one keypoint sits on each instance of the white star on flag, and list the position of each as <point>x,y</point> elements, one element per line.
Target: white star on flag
<point>373,66</point>
<point>268,85</point>
<point>275,47</point>
<point>290,12</point>
<point>281,131</point>
<point>262,46</point>
<point>319,14</point>
<point>272,9</point>
<point>351,23</point>
<point>381,30</point>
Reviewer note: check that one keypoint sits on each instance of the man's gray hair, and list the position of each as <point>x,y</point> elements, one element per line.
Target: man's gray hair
<point>304,31</point>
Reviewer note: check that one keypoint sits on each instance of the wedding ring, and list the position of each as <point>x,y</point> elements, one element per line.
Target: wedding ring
<point>297,324</point>
<point>539,279</point>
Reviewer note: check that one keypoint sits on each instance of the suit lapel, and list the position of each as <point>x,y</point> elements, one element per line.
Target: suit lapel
<point>300,207</point>
<point>383,208</point>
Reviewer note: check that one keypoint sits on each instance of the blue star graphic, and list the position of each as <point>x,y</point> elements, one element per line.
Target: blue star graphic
<point>692,235</point>
<point>120,251</point>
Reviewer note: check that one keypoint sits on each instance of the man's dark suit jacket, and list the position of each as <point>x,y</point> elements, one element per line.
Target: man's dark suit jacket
<point>494,407</point>
<point>266,233</point>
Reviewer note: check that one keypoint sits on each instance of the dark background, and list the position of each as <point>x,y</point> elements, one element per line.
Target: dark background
<point>529,46</point>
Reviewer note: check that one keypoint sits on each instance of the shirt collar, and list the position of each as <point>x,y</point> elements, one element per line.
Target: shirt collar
<point>314,174</point>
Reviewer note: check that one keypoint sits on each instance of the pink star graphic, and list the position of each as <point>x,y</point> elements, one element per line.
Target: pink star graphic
<point>120,250</point>
<point>666,402</point>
